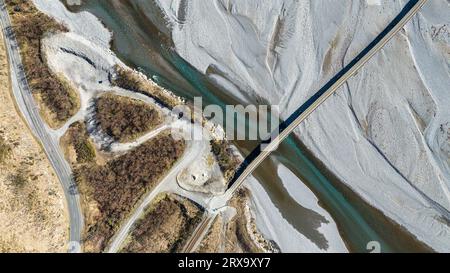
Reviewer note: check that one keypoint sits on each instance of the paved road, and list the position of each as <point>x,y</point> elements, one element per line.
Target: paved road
<point>30,112</point>
<point>258,155</point>
<point>167,184</point>
<point>199,233</point>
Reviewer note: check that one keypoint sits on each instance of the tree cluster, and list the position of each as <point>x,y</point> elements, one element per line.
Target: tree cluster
<point>128,79</point>
<point>117,186</point>
<point>227,161</point>
<point>80,140</point>
<point>165,227</point>
<point>125,118</point>
<point>30,26</point>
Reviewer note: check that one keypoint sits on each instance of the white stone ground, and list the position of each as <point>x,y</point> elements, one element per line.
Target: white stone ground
<point>386,133</point>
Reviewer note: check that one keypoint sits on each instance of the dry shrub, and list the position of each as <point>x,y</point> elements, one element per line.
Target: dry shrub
<point>30,26</point>
<point>225,158</point>
<point>130,80</point>
<point>125,119</point>
<point>5,150</point>
<point>123,181</point>
<point>79,138</point>
<point>166,226</point>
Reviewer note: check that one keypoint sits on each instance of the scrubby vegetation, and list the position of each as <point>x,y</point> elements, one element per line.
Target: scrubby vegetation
<point>236,230</point>
<point>213,240</point>
<point>77,137</point>
<point>85,151</point>
<point>30,26</point>
<point>32,215</point>
<point>227,161</point>
<point>18,180</point>
<point>125,119</point>
<point>166,225</point>
<point>5,150</point>
<point>239,234</point>
<point>130,80</point>
<point>117,186</point>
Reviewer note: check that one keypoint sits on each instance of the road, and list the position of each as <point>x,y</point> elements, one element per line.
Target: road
<point>167,184</point>
<point>257,156</point>
<point>30,112</point>
<point>199,233</point>
<point>50,143</point>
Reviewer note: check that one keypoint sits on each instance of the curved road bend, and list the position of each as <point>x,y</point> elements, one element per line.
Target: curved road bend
<point>167,184</point>
<point>252,161</point>
<point>257,156</point>
<point>30,112</point>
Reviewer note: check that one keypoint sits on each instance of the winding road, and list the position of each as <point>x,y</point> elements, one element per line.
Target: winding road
<point>30,112</point>
<point>27,106</point>
<point>167,184</point>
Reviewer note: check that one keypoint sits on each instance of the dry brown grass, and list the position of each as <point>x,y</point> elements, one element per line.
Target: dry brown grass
<point>213,240</point>
<point>236,232</point>
<point>57,99</point>
<point>33,216</point>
